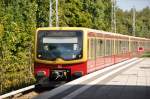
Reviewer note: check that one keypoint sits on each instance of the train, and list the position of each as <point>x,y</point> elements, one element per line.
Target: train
<point>67,53</point>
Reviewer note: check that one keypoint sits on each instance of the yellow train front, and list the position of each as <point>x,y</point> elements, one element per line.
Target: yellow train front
<point>60,53</point>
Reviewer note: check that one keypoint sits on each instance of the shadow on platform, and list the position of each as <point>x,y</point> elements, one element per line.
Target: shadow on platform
<point>101,92</point>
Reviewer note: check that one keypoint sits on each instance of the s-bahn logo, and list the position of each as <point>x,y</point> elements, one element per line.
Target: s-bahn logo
<point>140,49</point>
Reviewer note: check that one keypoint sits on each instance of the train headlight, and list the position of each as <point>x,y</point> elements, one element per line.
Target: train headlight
<point>39,55</point>
<point>41,73</point>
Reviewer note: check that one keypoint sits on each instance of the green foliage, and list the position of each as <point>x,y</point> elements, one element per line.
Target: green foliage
<point>146,54</point>
<point>17,26</point>
<point>142,22</point>
<point>77,13</point>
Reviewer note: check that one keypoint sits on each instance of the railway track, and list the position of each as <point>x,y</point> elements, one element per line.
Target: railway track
<point>31,93</point>
<point>28,95</point>
<point>25,93</point>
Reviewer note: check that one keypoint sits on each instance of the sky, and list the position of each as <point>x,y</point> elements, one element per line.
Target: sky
<point>128,4</point>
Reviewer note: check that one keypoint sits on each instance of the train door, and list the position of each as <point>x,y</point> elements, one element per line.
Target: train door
<point>108,50</point>
<point>91,54</point>
<point>100,44</point>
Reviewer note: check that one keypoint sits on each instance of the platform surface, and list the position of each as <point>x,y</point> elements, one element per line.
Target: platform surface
<point>133,83</point>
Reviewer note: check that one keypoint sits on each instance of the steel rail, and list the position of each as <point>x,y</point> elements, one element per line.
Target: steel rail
<point>17,91</point>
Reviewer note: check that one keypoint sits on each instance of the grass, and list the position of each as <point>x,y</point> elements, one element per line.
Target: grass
<point>146,54</point>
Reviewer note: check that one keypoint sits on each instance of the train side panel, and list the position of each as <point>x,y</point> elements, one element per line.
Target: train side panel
<point>106,49</point>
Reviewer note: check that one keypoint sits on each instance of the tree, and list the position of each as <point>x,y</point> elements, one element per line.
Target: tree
<point>124,22</point>
<point>17,26</point>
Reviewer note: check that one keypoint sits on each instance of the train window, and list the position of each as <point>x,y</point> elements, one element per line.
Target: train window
<point>127,46</point>
<point>99,47</point>
<point>134,46</point>
<point>116,47</point>
<point>101,44</point>
<point>124,46</point>
<point>108,48</point>
<point>66,45</point>
<point>119,47</point>
<point>91,45</point>
<point>89,49</point>
<point>92,48</point>
<point>112,47</point>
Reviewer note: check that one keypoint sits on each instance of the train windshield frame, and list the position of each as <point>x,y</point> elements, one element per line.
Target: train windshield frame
<point>64,44</point>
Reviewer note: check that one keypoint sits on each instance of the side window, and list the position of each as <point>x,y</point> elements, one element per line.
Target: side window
<point>97,48</point>
<point>125,46</point>
<point>135,46</point>
<point>132,46</point>
<point>92,48</point>
<point>116,46</point>
<point>112,47</point>
<point>108,48</point>
<point>100,47</point>
<point>119,47</point>
<point>101,42</point>
<point>89,49</point>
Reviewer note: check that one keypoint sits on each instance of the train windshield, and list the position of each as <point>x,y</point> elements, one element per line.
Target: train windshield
<point>66,45</point>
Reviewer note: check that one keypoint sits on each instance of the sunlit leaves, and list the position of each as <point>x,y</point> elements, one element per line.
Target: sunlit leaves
<point>17,27</point>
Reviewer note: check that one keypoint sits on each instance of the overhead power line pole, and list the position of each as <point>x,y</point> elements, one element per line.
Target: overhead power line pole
<point>57,20</point>
<point>133,24</point>
<point>113,16</point>
<point>51,11</point>
<point>113,21</point>
<point>112,10</point>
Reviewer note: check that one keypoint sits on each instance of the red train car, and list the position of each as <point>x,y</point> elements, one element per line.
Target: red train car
<point>65,53</point>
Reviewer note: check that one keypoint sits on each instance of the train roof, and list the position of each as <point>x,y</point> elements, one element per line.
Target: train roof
<point>90,30</point>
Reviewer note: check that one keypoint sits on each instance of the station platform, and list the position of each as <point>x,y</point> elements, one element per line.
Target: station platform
<point>130,81</point>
